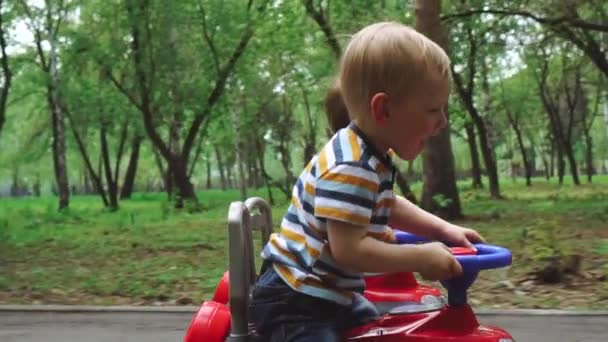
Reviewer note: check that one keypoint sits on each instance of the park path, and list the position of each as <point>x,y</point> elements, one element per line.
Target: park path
<point>153,326</point>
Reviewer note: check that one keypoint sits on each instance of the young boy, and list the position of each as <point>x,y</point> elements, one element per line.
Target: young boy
<point>394,83</point>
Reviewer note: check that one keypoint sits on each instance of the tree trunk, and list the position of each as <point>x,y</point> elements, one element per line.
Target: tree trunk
<point>229,177</point>
<point>15,183</point>
<point>260,151</point>
<point>606,105</point>
<point>574,97</point>
<point>310,139</point>
<point>475,166</point>
<point>547,166</point>
<point>58,124</point>
<point>186,192</point>
<point>439,173</point>
<point>208,162</point>
<point>552,154</point>
<point>487,147</point>
<point>488,158</point>
<point>221,167</point>
<point>573,165</point>
<point>7,74</point>
<point>561,165</point>
<point>522,148</point>
<point>589,156</point>
<point>552,109</point>
<point>87,187</point>
<point>238,146</point>
<point>36,189</point>
<point>128,184</point>
<point>161,169</point>
<point>107,167</point>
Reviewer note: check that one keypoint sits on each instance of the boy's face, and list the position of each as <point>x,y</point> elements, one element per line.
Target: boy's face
<point>419,117</point>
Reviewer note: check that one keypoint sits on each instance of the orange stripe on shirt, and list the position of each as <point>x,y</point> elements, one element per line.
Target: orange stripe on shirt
<point>297,283</point>
<point>295,202</point>
<point>341,215</point>
<point>322,161</point>
<point>291,235</point>
<point>309,188</point>
<point>351,180</point>
<point>283,251</point>
<point>354,144</point>
<point>385,203</point>
<point>308,167</point>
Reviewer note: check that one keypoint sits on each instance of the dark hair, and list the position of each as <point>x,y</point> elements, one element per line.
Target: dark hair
<point>335,109</point>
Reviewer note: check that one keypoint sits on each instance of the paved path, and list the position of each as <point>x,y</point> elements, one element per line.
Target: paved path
<point>162,327</point>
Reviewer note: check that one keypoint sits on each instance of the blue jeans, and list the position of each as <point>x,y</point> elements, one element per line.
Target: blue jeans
<point>282,314</point>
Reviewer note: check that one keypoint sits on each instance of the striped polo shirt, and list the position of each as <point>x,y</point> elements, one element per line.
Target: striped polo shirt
<point>349,181</point>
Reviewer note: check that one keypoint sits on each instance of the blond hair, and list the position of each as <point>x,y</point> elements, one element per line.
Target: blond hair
<point>385,57</point>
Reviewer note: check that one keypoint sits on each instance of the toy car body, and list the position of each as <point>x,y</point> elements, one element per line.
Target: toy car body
<point>410,312</point>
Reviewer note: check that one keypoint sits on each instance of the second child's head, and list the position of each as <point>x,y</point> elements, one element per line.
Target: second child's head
<point>395,84</point>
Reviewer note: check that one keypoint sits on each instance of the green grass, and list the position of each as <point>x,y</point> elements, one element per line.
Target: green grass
<point>148,252</point>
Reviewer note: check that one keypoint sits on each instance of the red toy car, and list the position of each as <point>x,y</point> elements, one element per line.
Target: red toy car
<point>410,312</point>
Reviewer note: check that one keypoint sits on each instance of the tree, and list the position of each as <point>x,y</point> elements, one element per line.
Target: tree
<point>440,194</point>
<point>465,89</point>
<point>7,75</point>
<point>147,79</point>
<point>45,23</point>
<point>579,22</point>
<point>588,117</point>
<point>512,100</point>
<point>562,100</point>
<point>460,121</point>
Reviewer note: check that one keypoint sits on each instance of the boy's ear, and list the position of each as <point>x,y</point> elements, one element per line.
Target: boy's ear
<point>379,108</point>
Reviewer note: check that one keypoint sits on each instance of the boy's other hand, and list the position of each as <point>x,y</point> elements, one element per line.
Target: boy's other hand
<point>460,236</point>
<point>438,263</point>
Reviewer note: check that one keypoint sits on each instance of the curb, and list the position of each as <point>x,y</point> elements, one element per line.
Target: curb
<point>193,309</point>
<point>539,312</point>
<point>98,309</point>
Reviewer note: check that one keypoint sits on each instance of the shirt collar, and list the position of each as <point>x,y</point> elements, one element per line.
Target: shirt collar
<point>384,158</point>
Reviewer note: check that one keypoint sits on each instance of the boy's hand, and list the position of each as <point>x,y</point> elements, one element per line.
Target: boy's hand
<point>460,236</point>
<point>437,262</point>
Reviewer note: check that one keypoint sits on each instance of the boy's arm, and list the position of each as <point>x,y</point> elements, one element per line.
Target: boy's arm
<point>354,250</point>
<point>407,216</point>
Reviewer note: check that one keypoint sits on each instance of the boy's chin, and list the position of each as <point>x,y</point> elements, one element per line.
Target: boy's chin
<point>409,155</point>
<point>411,152</point>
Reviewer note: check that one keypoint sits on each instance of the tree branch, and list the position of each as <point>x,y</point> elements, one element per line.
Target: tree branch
<point>323,23</point>
<point>62,8</point>
<point>143,84</point>
<point>123,90</point>
<point>575,22</point>
<point>208,39</point>
<point>217,91</point>
<point>85,156</point>
<point>37,35</point>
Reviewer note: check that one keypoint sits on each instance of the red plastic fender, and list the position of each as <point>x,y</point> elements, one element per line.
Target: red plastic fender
<point>222,291</point>
<point>210,324</point>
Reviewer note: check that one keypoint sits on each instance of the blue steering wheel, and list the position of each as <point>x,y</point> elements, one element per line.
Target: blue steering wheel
<point>487,257</point>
